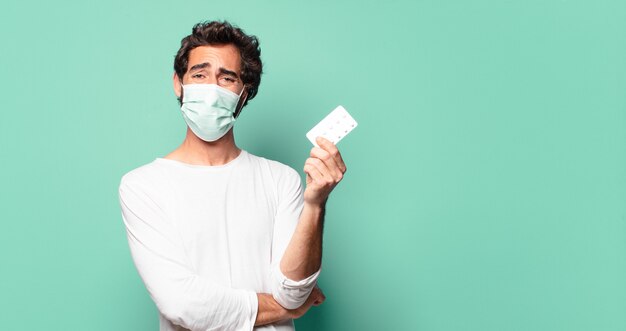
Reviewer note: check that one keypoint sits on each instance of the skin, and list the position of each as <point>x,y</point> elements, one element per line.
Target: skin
<point>324,170</point>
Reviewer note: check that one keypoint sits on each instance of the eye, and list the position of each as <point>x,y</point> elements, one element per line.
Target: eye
<point>227,81</point>
<point>199,76</point>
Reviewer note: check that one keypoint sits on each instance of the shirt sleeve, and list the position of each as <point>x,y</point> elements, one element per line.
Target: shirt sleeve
<point>181,296</point>
<point>287,292</point>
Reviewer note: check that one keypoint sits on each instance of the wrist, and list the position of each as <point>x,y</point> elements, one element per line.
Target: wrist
<point>270,311</point>
<point>315,207</point>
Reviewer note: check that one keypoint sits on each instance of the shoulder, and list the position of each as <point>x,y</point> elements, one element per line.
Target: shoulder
<point>146,178</point>
<point>280,172</point>
<point>140,174</point>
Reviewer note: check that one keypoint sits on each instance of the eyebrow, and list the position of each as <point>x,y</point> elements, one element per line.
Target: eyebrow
<point>228,72</point>
<point>208,65</point>
<point>200,66</point>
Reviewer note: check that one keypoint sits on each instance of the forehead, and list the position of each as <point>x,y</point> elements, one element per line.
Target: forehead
<point>219,56</point>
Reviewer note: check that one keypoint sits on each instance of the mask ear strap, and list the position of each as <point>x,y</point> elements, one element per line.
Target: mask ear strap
<point>182,91</point>
<point>242,101</point>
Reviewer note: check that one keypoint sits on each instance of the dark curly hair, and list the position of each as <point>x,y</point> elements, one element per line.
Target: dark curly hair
<point>223,33</point>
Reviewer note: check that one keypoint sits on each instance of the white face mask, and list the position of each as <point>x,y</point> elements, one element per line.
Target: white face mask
<point>209,110</point>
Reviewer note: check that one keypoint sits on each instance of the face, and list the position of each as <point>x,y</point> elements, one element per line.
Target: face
<point>219,65</point>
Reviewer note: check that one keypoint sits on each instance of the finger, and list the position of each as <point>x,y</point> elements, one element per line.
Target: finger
<point>320,298</point>
<point>328,146</point>
<point>322,175</point>
<point>330,162</point>
<point>313,172</point>
<point>313,296</point>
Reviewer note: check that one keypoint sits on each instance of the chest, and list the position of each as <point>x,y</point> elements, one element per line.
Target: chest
<point>225,219</point>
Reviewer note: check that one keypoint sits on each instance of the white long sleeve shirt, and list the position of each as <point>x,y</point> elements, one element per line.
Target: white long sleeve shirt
<point>206,239</point>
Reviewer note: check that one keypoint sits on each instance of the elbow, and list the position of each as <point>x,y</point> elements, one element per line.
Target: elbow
<point>172,310</point>
<point>292,294</point>
<point>175,310</point>
<point>291,299</point>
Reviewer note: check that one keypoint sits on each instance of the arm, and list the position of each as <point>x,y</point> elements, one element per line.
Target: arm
<point>271,311</point>
<point>324,170</point>
<point>297,239</point>
<point>180,294</point>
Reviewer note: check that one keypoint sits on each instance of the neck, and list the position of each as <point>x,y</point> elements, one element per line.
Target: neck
<point>196,151</point>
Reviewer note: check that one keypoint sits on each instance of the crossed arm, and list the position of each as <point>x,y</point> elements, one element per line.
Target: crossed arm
<point>303,257</point>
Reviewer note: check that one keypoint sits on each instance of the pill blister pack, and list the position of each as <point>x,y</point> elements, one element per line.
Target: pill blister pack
<point>334,127</point>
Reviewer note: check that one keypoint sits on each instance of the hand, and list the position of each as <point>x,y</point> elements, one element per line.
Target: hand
<point>315,299</point>
<point>270,311</point>
<point>324,170</point>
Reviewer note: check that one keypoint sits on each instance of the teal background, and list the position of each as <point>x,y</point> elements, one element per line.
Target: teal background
<point>486,184</point>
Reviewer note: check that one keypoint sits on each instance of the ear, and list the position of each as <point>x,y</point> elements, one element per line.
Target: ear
<point>177,86</point>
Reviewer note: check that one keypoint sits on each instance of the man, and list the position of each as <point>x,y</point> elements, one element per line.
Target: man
<point>223,239</point>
